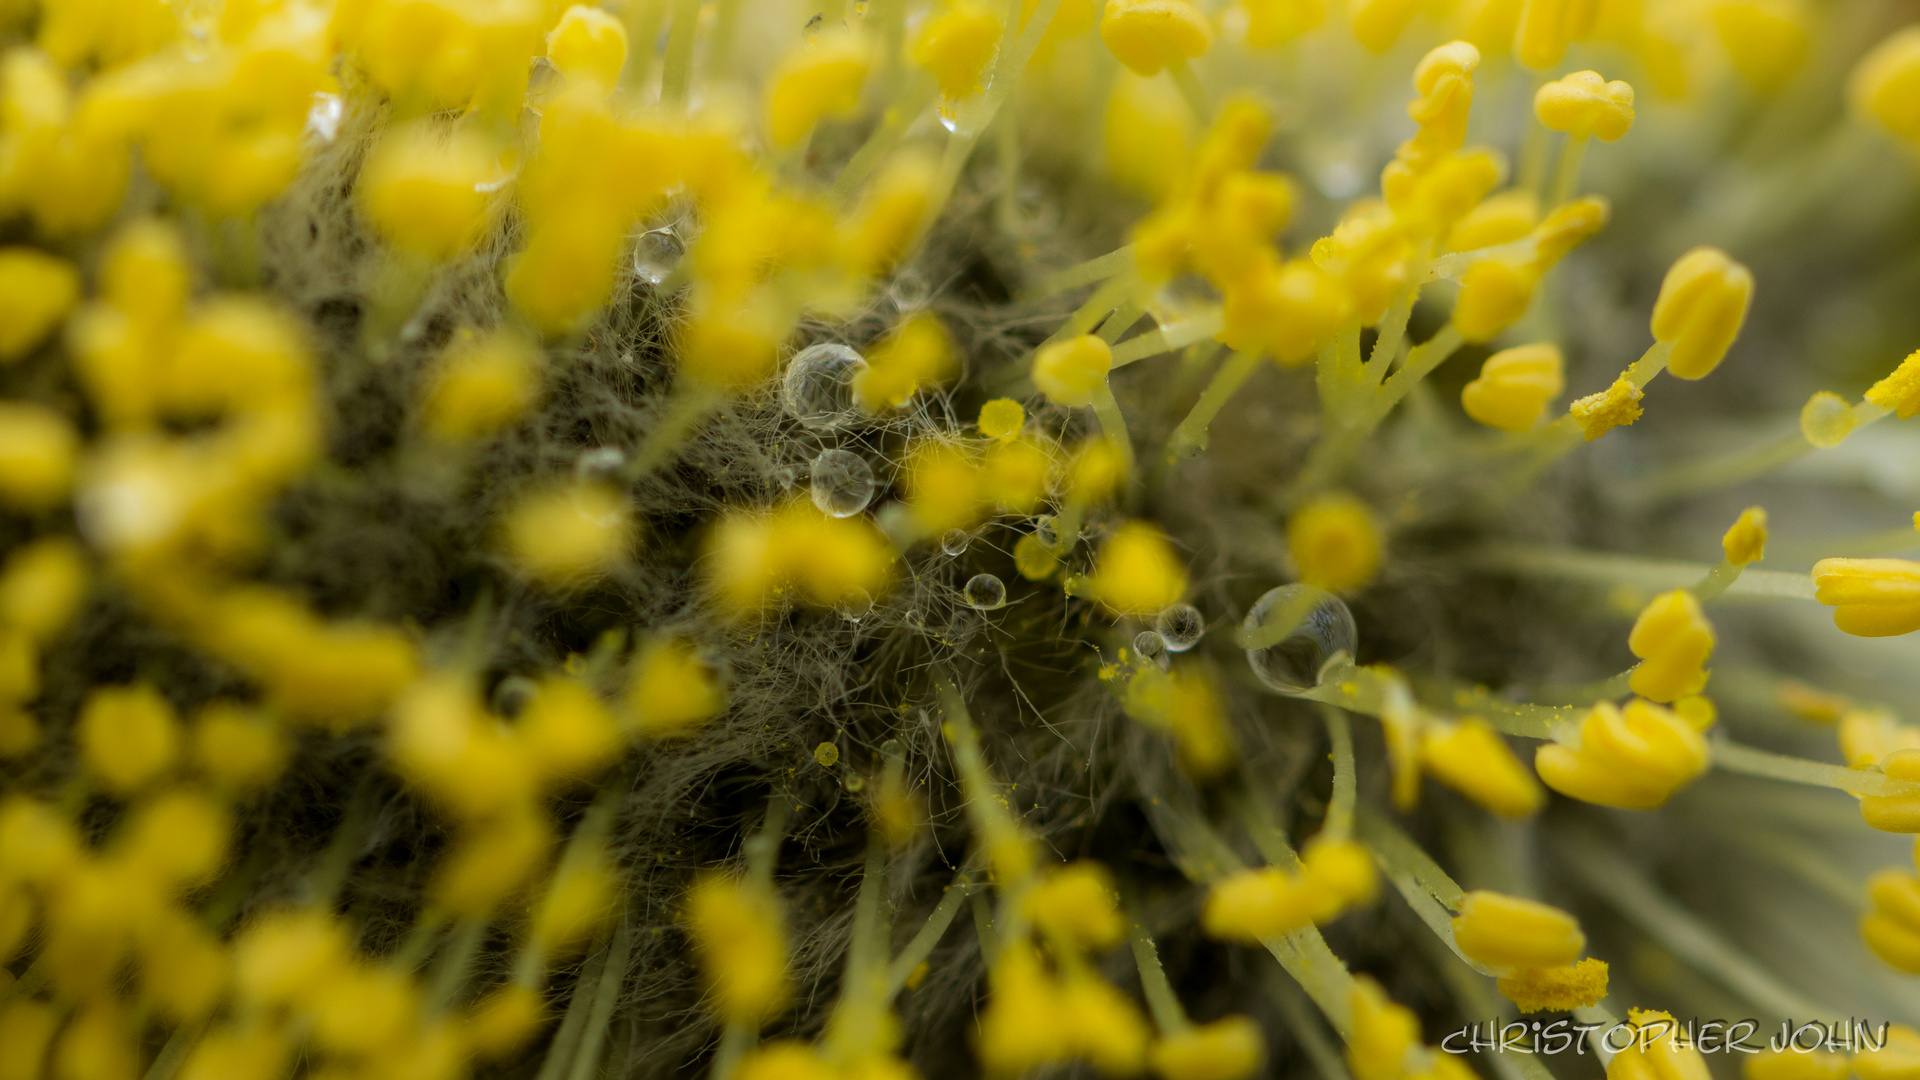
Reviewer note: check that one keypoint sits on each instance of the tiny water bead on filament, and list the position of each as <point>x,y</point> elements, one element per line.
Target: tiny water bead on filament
<point>676,539</point>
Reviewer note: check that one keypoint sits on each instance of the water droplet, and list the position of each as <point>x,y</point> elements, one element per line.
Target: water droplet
<point>1046,529</point>
<point>512,694</point>
<point>1827,419</point>
<point>955,541</point>
<point>1150,647</point>
<point>985,592</point>
<point>1180,626</point>
<point>655,253</point>
<point>817,389</point>
<point>914,619</point>
<point>599,463</point>
<point>842,483</point>
<point>909,291</point>
<point>1321,626</point>
<point>855,606</point>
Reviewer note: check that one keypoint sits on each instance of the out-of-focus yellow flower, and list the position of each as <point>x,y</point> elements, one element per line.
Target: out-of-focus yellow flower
<point>1335,542</point>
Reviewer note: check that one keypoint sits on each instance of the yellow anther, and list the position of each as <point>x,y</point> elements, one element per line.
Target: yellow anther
<point>1514,387</point>
<point>1494,293</point>
<point>1341,875</point>
<point>1746,541</point>
<point>129,736</point>
<point>1868,735</point>
<point>1138,571</point>
<point>1794,1065</point>
<point>1287,309</point>
<point>1077,904</point>
<point>1900,1057</point>
<point>1443,191</point>
<point>1660,1052</point>
<point>41,586</point>
<point>822,79</point>
<point>1900,390</point>
<point>1273,23</point>
<point>1673,639</point>
<point>1382,1035</point>
<point>284,956</point>
<point>1569,226</point>
<point>1149,35</point>
<point>890,215</point>
<point>1186,704</point>
<point>1547,26</point>
<point>673,690</point>
<point>1254,904</point>
<point>1379,23</point>
<point>736,930</point>
<point>1014,474</point>
<point>1444,81</point>
<point>1072,372</point>
<point>427,192</point>
<point>1368,251</point>
<point>37,292</point>
<point>566,732</point>
<point>1148,133</point>
<point>1571,987</point>
<point>1870,597</point>
<point>1334,540</point>
<point>1767,40</point>
<point>237,749</point>
<point>588,44</point>
<point>1616,406</point>
<point>1885,84</point>
<point>1702,303</point>
<point>785,1059</point>
<point>1891,928</point>
<point>1473,759</point>
<point>1500,219</point>
<point>956,45</point>
<point>1034,560</point>
<point>569,535</point>
<point>1809,703</point>
<point>1583,104</point>
<point>1095,471</point>
<point>1826,419</point>
<point>918,351</point>
<point>1023,1025</point>
<point>1226,1049</point>
<point>484,384</point>
<point>37,448</point>
<point>178,839</point>
<point>1634,758</point>
<point>1697,710</point>
<point>1002,419</point>
<point>1504,931</point>
<point>1102,1026</point>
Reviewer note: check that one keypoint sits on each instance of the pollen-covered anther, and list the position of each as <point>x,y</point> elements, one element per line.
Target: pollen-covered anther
<point>1512,932</point>
<point>1583,104</point>
<point>1870,597</point>
<point>1571,986</point>
<point>1702,304</point>
<point>1150,35</point>
<point>1900,390</point>
<point>1515,386</point>
<point>1673,640</point>
<point>1634,758</point>
<point>1616,406</point>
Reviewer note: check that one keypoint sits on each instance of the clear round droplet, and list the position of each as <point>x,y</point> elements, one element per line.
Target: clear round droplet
<point>984,592</point>
<point>512,694</point>
<point>1180,626</point>
<point>855,606</point>
<point>1150,647</point>
<point>909,290</point>
<point>817,389</point>
<point>842,483</point>
<point>1322,627</point>
<point>914,619</point>
<point>955,541</point>
<point>656,253</point>
<point>602,463</point>
<point>1046,529</point>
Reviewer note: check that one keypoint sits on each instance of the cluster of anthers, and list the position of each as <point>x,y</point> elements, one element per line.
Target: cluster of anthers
<point>535,146</point>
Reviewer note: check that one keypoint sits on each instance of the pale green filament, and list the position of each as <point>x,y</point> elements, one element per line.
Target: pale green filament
<point>1339,821</point>
<point>928,938</point>
<point>1198,327</point>
<point>1192,433</point>
<point>1095,269</point>
<point>1168,1016</point>
<point>677,71</point>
